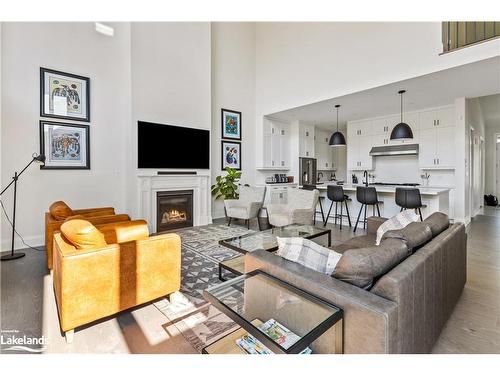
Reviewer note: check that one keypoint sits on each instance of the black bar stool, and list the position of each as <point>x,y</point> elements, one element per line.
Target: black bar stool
<point>409,199</point>
<point>313,187</point>
<point>336,194</point>
<point>367,196</point>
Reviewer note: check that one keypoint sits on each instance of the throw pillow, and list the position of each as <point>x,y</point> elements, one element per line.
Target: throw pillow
<point>60,210</point>
<point>361,266</point>
<point>308,253</point>
<point>398,221</point>
<point>82,234</point>
<point>415,235</point>
<point>438,222</point>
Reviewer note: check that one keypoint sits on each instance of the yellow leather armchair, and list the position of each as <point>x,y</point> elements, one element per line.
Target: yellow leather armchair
<point>59,212</point>
<point>101,271</point>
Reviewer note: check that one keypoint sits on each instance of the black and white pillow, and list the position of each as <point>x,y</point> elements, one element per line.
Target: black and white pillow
<point>398,221</point>
<point>308,253</point>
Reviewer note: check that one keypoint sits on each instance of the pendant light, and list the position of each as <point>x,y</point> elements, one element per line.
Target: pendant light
<point>401,130</point>
<point>337,138</point>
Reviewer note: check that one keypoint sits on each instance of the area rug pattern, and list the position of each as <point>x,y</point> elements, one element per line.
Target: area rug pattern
<point>198,321</point>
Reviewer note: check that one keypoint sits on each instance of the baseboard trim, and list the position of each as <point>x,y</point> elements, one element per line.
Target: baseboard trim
<point>35,241</point>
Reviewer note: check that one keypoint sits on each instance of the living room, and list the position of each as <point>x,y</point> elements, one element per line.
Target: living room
<point>195,187</point>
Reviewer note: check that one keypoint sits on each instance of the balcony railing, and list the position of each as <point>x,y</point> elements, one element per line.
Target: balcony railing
<point>462,34</point>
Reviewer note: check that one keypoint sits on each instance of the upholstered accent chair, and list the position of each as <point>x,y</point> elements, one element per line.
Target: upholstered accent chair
<point>100,271</point>
<point>300,209</point>
<point>59,212</point>
<point>247,206</point>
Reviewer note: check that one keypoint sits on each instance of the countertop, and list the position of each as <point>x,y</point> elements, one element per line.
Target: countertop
<point>389,188</point>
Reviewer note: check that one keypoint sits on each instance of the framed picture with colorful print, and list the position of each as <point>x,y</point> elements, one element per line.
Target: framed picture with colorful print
<point>231,155</point>
<point>65,146</point>
<point>231,124</point>
<point>64,95</point>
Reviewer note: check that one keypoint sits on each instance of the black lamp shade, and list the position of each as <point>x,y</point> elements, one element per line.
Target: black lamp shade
<point>40,158</point>
<point>337,139</point>
<point>401,131</point>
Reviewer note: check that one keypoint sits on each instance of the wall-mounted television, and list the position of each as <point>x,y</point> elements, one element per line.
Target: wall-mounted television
<point>172,147</point>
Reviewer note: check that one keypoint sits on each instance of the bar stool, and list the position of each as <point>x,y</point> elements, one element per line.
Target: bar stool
<point>313,187</point>
<point>367,196</point>
<point>409,199</point>
<point>336,194</point>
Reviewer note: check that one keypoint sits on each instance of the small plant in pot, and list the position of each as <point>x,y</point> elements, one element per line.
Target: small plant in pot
<point>225,187</point>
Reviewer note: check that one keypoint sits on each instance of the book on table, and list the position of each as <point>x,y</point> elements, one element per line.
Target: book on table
<point>274,330</point>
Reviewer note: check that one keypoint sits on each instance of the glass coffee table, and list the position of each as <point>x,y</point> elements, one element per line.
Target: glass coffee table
<point>266,240</point>
<point>257,301</point>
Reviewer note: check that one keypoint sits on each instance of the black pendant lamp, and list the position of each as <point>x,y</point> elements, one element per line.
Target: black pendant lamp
<point>401,130</point>
<point>337,138</point>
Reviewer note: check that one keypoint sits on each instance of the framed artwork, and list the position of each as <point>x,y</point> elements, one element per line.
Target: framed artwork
<point>231,155</point>
<point>65,146</point>
<point>64,95</point>
<point>231,124</point>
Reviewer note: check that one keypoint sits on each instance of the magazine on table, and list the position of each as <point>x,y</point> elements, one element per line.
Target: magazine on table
<point>276,331</point>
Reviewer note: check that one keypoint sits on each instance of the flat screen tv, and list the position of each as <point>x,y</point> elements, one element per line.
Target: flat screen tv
<point>172,147</point>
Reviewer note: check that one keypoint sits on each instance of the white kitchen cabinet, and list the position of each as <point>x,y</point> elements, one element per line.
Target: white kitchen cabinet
<point>359,128</point>
<point>383,126</point>
<point>437,148</point>
<point>324,152</point>
<point>365,145</point>
<point>359,144</point>
<point>445,146</point>
<point>306,141</point>
<point>277,194</point>
<point>276,145</point>
<point>442,117</point>
<point>358,153</point>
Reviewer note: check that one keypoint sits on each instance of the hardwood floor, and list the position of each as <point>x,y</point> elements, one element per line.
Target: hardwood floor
<point>28,305</point>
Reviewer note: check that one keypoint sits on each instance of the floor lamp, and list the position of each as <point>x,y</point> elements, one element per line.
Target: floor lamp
<point>9,255</point>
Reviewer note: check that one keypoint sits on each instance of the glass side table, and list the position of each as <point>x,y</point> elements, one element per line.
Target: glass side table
<point>255,298</point>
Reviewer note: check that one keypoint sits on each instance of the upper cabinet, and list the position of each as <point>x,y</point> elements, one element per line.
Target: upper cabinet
<point>359,144</point>
<point>440,117</point>
<point>306,141</point>
<point>324,152</point>
<point>276,145</point>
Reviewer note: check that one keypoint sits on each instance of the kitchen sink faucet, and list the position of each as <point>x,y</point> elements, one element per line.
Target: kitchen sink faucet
<point>365,176</point>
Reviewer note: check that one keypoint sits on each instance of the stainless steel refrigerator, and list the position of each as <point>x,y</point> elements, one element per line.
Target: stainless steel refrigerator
<point>307,171</point>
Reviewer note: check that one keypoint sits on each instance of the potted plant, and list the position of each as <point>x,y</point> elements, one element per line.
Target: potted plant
<point>225,187</point>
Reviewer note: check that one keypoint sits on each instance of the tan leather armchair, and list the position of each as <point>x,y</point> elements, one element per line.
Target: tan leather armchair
<point>101,271</point>
<point>59,212</point>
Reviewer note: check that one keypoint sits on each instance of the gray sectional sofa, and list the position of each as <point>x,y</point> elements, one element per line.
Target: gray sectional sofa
<point>402,310</point>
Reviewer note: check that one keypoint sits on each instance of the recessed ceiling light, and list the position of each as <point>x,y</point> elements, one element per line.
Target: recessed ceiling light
<point>104,29</point>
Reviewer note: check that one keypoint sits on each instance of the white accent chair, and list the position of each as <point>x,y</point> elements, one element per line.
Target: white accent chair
<point>247,206</point>
<point>300,209</point>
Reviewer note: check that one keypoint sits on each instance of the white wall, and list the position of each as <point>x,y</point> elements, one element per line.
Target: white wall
<point>158,72</point>
<point>74,48</point>
<point>302,63</point>
<point>233,87</point>
<point>171,83</point>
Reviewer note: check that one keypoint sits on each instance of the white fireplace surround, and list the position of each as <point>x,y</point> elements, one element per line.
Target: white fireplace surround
<point>150,184</point>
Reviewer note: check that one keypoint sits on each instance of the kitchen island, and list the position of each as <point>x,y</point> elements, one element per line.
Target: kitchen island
<point>435,198</point>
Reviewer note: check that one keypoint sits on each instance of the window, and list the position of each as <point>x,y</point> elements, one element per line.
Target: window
<point>461,34</point>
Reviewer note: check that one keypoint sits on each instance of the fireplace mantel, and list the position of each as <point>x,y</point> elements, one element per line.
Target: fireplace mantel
<point>150,184</point>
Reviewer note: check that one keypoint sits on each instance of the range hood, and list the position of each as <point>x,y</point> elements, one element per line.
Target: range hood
<point>392,150</point>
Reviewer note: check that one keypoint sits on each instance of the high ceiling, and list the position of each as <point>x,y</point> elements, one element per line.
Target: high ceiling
<point>441,88</point>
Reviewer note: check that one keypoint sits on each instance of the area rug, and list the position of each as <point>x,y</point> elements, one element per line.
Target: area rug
<point>198,321</point>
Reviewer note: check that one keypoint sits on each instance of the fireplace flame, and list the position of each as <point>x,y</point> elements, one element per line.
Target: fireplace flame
<point>173,216</point>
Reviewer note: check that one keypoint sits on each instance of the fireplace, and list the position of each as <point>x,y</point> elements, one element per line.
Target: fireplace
<point>174,210</point>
